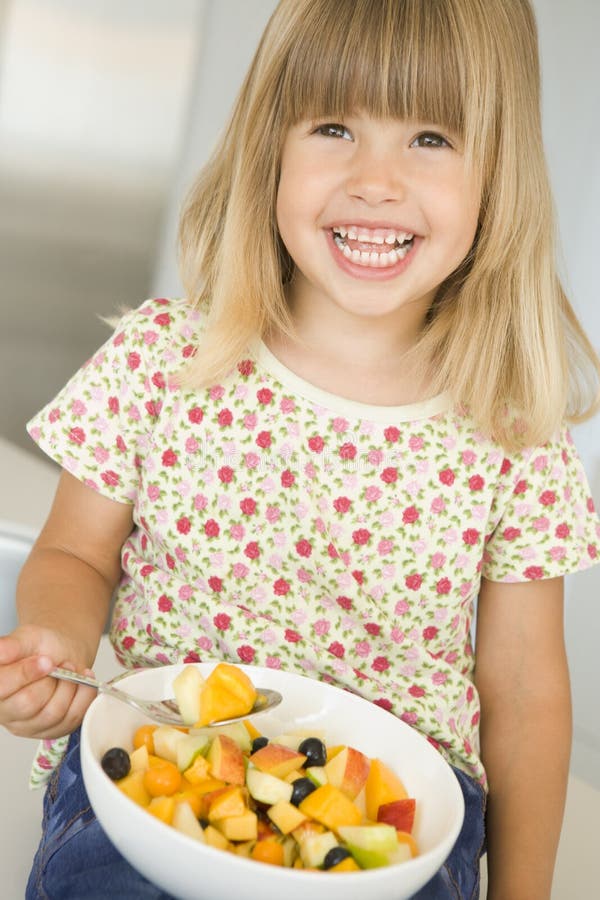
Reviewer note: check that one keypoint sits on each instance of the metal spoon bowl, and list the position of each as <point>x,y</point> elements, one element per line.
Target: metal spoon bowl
<point>165,711</point>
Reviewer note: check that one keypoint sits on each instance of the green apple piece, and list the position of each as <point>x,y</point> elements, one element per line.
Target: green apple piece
<point>166,738</point>
<point>185,821</point>
<point>139,759</point>
<point>267,788</point>
<point>189,748</point>
<point>370,845</point>
<point>317,775</point>
<point>402,854</point>
<point>237,731</point>
<point>290,851</point>
<point>315,847</point>
<point>187,688</point>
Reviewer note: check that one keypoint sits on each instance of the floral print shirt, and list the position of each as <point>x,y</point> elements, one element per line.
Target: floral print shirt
<point>279,525</point>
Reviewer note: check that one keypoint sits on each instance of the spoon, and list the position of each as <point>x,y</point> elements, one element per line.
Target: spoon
<point>165,711</point>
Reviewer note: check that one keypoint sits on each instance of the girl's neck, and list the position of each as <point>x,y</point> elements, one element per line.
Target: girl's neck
<point>353,357</point>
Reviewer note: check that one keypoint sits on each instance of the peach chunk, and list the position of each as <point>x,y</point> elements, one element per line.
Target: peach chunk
<point>331,807</point>
<point>226,760</point>
<point>348,771</point>
<point>382,786</point>
<point>277,760</point>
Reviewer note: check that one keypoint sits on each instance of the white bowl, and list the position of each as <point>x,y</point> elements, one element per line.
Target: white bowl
<point>189,870</point>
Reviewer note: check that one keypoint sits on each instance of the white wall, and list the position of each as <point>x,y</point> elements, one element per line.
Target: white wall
<point>571,71</point>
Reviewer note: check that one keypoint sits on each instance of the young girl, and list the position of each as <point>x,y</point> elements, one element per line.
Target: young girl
<point>351,429</point>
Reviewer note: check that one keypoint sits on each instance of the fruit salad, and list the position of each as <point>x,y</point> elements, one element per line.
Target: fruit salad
<point>288,800</point>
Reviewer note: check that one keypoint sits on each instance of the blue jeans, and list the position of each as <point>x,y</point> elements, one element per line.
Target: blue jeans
<point>75,859</point>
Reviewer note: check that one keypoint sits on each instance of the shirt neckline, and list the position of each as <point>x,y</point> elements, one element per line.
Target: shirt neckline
<point>424,409</point>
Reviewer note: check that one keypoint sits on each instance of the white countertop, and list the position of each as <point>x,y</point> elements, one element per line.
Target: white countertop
<point>28,486</point>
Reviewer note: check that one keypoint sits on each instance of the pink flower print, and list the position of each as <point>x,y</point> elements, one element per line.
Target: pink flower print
<point>411,718</point>
<point>195,415</point>
<point>184,525</point>
<point>211,528</point>
<point>251,460</point>
<point>363,649</point>
<point>263,439</point>
<point>416,443</point>
<point>225,474</point>
<point>386,519</point>
<point>215,584</point>
<point>384,547</point>
<point>521,487</point>
<point>590,505</point>
<point>287,405</point>
<point>439,678</point>
<point>204,643</point>
<point>248,506</point>
<point>438,505</point>
<point>222,621</point>
<point>191,445</point>
<point>547,498</point>
<point>533,573</point>
<point>592,551</point>
<point>372,494</point>
<point>410,515</point>
<point>339,425</point>
<point>380,664</point>
<point>169,458</point>
<point>272,514</point>
<point>150,337</point>
<point>246,367</point>
<point>110,478</point>
<point>541,523</point>
<point>476,483</point>
<point>180,553</point>
<point>438,560</point>
<point>287,478</point>
<point>121,445</point>
<point>557,553</point>
<point>200,501</point>
<point>415,690</point>
<point>251,550</point>
<point>540,463</point>
<point>465,588</point>
<point>298,616</point>
<point>250,421</point>
<point>562,531</point>
<point>347,451</point>
<point>446,476</point>
<point>240,570</point>
<point>337,649</point>
<point>153,492</point>
<point>217,392</point>
<point>264,396</point>
<point>164,604</point>
<point>55,414</point>
<point>511,534</point>
<point>304,548</point>
<point>225,418</point>
<point>273,662</point>
<point>529,553</point>
<point>443,586</point>
<point>304,576</point>
<point>403,606</point>
<point>387,571</point>
<point>246,653</point>
<point>430,632</point>
<point>391,434</point>
<point>321,627</point>
<point>310,471</point>
<point>413,582</point>
<point>450,536</point>
<point>375,457</point>
<point>344,602</point>
<point>361,536</point>
<point>78,408</point>
<point>100,454</point>
<point>397,635</point>
<point>342,504</point>
<point>468,457</point>
<point>389,475</point>
<point>470,537</point>
<point>281,587</point>
<point>291,636</point>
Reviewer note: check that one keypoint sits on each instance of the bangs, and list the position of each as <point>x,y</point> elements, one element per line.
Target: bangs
<point>403,59</point>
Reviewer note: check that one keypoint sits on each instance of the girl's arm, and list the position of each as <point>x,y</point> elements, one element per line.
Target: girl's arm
<point>63,599</point>
<point>523,681</point>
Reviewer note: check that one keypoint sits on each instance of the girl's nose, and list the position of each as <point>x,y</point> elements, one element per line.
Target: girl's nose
<point>376,176</point>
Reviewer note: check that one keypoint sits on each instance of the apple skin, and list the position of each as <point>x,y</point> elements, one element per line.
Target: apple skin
<point>226,760</point>
<point>382,786</point>
<point>267,788</point>
<point>277,760</point>
<point>187,688</point>
<point>371,846</point>
<point>348,771</point>
<point>399,813</point>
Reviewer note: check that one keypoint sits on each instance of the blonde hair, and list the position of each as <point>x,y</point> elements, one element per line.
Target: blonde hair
<point>501,332</point>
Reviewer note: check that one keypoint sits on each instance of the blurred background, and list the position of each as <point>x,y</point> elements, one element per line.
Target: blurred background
<point>107,110</point>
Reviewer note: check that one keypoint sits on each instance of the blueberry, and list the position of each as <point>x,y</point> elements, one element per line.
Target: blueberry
<point>302,787</point>
<point>116,763</point>
<point>314,750</point>
<point>258,743</point>
<point>335,856</point>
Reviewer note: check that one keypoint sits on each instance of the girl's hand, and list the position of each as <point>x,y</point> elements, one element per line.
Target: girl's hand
<point>32,704</point>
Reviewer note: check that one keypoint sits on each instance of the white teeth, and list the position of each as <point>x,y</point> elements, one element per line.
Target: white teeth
<point>378,239</point>
<point>347,251</point>
<point>356,256</point>
<point>352,234</point>
<point>372,258</point>
<point>390,239</point>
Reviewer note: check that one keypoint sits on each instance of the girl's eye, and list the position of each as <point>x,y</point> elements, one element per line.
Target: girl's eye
<point>332,129</point>
<point>430,139</point>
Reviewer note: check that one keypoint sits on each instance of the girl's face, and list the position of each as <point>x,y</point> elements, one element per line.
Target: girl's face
<point>376,214</point>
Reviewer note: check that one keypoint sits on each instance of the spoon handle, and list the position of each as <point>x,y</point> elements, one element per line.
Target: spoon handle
<point>67,675</point>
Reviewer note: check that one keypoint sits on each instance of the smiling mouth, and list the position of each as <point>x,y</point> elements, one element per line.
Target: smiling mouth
<point>378,248</point>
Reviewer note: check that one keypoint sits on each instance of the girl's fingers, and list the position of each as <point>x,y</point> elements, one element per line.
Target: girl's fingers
<point>17,675</point>
<point>56,716</point>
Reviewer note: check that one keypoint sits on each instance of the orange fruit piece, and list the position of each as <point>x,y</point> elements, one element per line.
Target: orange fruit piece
<point>268,851</point>
<point>162,780</point>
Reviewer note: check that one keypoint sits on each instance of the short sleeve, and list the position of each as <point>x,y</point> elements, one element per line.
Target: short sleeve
<point>548,526</point>
<point>99,425</point>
